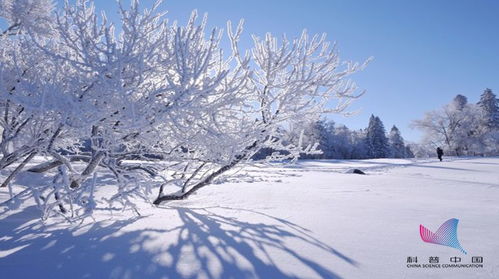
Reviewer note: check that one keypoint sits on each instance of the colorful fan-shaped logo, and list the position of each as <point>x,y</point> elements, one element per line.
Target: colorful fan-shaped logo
<point>445,235</point>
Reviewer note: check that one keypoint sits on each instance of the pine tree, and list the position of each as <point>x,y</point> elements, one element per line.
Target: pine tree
<point>397,145</point>
<point>376,140</point>
<point>490,111</point>
<point>408,152</point>
<point>460,102</point>
<point>488,127</point>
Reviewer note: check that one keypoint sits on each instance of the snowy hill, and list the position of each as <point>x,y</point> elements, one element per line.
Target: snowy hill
<point>314,219</point>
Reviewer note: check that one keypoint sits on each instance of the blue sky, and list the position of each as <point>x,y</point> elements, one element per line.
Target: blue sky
<point>426,51</point>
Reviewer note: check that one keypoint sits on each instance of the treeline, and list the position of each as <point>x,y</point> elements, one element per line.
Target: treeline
<point>462,128</point>
<point>337,141</point>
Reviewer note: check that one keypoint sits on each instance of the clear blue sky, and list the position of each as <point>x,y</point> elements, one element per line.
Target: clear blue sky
<point>426,51</point>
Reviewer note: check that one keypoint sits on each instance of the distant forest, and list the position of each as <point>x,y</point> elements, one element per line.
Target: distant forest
<point>460,128</point>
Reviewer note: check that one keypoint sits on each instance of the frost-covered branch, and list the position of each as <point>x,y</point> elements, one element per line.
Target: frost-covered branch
<point>157,105</point>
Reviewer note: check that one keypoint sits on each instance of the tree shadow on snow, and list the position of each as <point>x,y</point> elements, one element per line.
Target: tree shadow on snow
<point>206,245</point>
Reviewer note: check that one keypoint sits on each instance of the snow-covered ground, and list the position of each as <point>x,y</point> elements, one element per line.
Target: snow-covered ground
<point>310,220</point>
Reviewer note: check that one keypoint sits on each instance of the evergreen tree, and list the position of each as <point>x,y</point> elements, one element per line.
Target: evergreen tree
<point>376,140</point>
<point>490,111</point>
<point>408,152</point>
<point>488,127</point>
<point>397,145</point>
<point>460,102</point>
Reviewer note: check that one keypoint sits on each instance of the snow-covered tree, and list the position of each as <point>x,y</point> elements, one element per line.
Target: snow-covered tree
<point>397,145</point>
<point>489,109</point>
<point>312,134</point>
<point>26,77</point>
<point>376,140</point>
<point>460,102</point>
<point>421,150</point>
<point>341,143</point>
<point>33,16</point>
<point>292,81</point>
<point>488,131</point>
<point>158,105</point>
<point>456,128</point>
<point>360,146</point>
<point>408,152</point>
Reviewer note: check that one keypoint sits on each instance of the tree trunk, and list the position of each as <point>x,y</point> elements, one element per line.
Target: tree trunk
<point>199,185</point>
<point>208,179</point>
<point>92,165</point>
<point>43,167</point>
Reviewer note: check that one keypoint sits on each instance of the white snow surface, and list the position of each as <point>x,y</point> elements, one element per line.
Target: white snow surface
<point>314,219</point>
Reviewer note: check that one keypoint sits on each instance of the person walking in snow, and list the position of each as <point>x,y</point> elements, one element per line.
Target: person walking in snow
<point>440,153</point>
